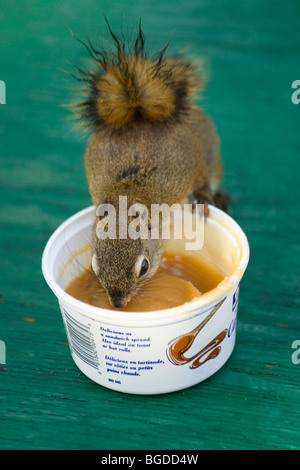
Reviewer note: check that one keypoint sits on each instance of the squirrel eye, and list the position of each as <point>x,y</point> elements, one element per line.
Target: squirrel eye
<point>144,267</point>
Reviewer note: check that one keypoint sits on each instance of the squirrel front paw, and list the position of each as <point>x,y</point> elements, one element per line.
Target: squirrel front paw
<point>222,201</point>
<point>200,197</point>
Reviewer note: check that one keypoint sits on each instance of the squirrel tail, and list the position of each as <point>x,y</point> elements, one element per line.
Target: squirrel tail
<point>128,86</point>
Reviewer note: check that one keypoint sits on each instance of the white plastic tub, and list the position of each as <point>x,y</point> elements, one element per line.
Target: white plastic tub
<point>150,352</point>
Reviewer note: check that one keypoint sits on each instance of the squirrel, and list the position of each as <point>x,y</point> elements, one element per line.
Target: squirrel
<point>149,142</point>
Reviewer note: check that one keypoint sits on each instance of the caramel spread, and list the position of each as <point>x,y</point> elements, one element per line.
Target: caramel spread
<point>179,279</point>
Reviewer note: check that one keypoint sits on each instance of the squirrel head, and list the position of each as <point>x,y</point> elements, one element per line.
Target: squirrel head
<point>124,263</point>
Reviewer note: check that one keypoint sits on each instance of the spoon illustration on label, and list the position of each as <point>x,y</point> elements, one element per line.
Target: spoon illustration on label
<point>180,345</point>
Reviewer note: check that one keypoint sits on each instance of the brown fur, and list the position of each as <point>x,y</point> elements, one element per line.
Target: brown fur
<point>137,87</point>
<point>150,143</point>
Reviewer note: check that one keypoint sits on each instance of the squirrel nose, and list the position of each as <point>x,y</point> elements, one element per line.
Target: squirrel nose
<point>118,301</point>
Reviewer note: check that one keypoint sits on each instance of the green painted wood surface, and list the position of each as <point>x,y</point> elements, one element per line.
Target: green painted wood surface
<point>253,50</point>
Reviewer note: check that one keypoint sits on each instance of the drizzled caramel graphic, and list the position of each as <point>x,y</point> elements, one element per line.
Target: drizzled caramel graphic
<point>180,345</point>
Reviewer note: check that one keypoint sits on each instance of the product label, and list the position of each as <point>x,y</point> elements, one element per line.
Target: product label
<point>147,359</point>
<point>116,342</point>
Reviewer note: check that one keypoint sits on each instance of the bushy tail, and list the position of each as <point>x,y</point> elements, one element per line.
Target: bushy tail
<point>128,86</point>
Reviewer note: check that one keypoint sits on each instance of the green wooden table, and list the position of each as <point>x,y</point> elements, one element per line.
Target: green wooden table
<point>253,50</point>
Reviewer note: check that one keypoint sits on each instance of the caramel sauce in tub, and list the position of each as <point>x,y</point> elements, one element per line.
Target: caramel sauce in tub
<point>179,279</point>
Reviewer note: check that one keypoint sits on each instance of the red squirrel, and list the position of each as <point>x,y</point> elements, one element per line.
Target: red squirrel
<point>150,142</point>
